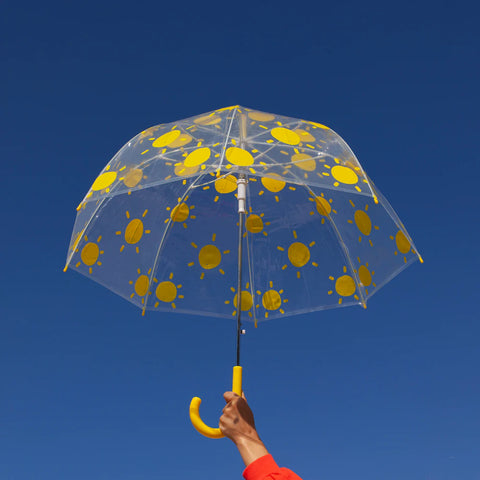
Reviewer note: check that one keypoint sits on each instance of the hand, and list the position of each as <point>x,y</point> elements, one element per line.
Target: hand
<point>237,420</point>
<point>237,423</point>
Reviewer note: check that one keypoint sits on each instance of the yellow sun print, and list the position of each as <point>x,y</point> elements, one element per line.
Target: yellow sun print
<point>182,140</point>
<point>298,254</point>
<point>166,139</point>
<point>261,116</point>
<point>363,223</point>
<point>167,292</point>
<point>182,171</point>
<point>225,184</point>
<point>197,157</point>
<point>344,286</point>
<point>103,181</point>
<point>365,274</point>
<point>322,206</point>
<point>255,224</point>
<point>211,119</point>
<point>273,183</point>
<point>209,257</point>
<point>305,162</point>
<point>402,243</point>
<point>317,125</point>
<point>246,300</point>
<point>134,231</point>
<point>239,156</point>
<point>148,133</point>
<point>141,285</point>
<point>180,213</point>
<point>304,135</point>
<point>132,177</point>
<point>285,135</point>
<point>344,175</point>
<point>90,253</point>
<point>272,300</point>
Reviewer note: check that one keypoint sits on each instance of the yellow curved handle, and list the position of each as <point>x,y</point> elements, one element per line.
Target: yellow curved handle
<point>198,423</point>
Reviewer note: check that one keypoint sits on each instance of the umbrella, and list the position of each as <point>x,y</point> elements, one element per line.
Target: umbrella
<point>242,214</point>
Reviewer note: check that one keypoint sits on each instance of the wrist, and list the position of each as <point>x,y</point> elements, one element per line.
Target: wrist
<point>246,439</point>
<point>250,448</point>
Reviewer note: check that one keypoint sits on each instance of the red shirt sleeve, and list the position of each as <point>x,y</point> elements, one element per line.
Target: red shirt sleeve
<point>265,468</point>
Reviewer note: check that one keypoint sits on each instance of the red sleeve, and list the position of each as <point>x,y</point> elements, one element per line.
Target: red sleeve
<point>265,468</point>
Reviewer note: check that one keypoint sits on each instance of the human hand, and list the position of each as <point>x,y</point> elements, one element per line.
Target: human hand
<point>237,423</point>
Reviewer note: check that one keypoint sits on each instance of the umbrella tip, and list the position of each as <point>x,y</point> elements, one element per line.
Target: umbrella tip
<point>375,199</point>
<point>66,268</point>
<point>364,305</point>
<point>79,207</point>
<point>420,258</point>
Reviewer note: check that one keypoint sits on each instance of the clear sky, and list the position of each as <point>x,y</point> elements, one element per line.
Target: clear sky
<point>91,389</point>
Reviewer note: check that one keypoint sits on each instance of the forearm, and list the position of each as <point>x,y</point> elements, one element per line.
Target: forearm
<point>251,448</point>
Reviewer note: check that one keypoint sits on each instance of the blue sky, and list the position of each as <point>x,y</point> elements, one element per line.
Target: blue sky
<point>90,389</point>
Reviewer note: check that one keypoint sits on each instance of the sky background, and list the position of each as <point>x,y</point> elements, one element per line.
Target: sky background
<point>90,389</point>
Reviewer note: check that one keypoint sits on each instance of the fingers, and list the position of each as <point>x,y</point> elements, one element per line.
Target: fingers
<point>229,396</point>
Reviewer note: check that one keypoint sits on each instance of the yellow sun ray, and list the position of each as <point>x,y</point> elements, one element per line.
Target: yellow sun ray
<point>146,134</point>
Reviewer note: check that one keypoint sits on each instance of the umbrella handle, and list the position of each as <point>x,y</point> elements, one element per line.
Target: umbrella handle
<point>195,405</point>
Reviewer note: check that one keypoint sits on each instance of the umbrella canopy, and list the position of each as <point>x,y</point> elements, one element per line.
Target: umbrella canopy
<point>159,225</point>
<point>184,208</point>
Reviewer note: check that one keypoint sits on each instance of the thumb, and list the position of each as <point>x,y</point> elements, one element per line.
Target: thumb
<point>229,396</point>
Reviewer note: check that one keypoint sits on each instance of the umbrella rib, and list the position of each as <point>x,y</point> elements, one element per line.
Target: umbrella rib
<point>251,278</point>
<point>295,124</point>
<point>222,156</point>
<point>345,252</point>
<point>162,241</point>
<point>263,154</point>
<point>100,204</point>
<point>393,215</point>
<point>349,261</point>
<point>87,225</point>
<point>183,128</point>
<point>372,191</point>
<point>209,137</point>
<point>339,238</point>
<point>227,136</point>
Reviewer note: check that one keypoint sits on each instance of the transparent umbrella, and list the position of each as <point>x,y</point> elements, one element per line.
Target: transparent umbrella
<point>193,215</point>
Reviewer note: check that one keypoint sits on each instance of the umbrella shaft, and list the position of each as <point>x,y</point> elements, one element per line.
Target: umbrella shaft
<point>239,282</point>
